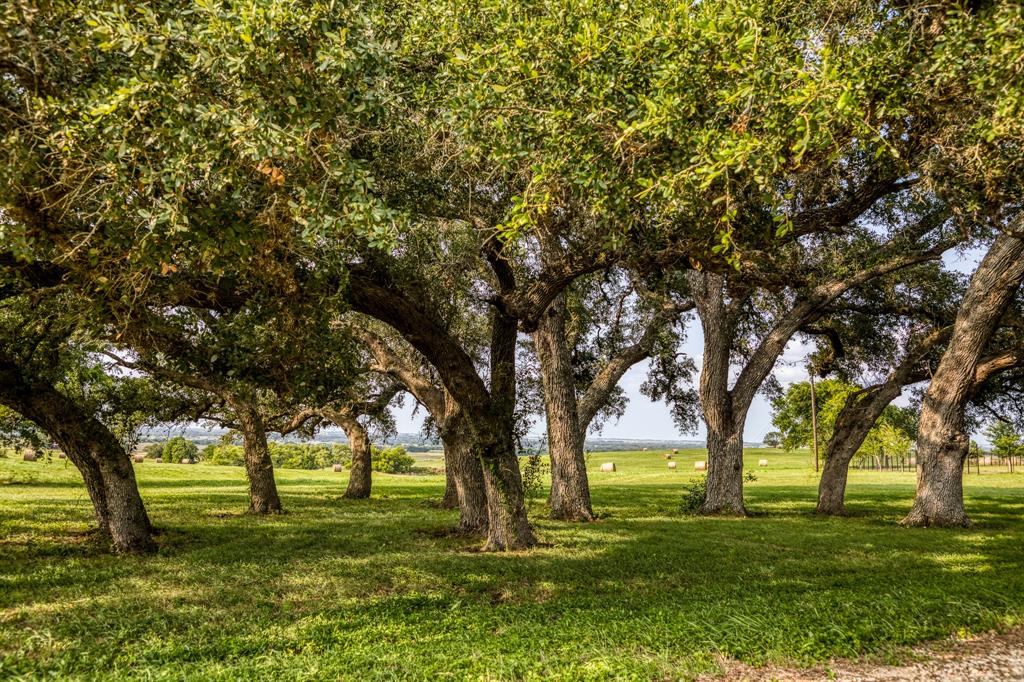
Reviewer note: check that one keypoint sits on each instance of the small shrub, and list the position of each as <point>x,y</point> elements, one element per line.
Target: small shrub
<point>308,456</point>
<point>533,477</point>
<point>694,494</point>
<point>392,460</point>
<point>224,455</point>
<point>179,448</point>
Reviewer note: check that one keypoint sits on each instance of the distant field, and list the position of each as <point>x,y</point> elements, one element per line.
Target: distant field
<point>374,589</point>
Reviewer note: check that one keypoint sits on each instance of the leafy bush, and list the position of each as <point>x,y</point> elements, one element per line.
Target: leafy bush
<point>533,477</point>
<point>179,448</point>
<point>392,460</point>
<point>224,455</point>
<point>694,494</point>
<point>307,455</point>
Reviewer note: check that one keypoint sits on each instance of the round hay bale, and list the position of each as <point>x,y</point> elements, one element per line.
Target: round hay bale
<point>667,455</point>
<point>675,451</point>
<point>671,465</point>
<point>159,460</point>
<point>762,462</point>
<point>186,460</point>
<point>30,456</point>
<point>700,466</point>
<point>608,467</point>
<point>61,455</point>
<point>139,459</point>
<point>337,467</point>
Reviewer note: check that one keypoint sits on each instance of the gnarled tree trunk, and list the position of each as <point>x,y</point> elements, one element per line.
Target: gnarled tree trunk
<point>725,472</point>
<point>490,413</point>
<point>570,489</point>
<point>95,451</point>
<point>855,420</point>
<point>725,438</point>
<point>450,498</point>
<point>942,444</point>
<point>360,473</point>
<point>259,468</point>
<point>507,527</point>
<point>466,475</point>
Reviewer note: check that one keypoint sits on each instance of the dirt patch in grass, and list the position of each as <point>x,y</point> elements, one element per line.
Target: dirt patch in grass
<point>989,657</point>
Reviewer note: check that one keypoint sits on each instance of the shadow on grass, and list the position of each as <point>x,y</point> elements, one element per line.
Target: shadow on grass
<point>368,586</point>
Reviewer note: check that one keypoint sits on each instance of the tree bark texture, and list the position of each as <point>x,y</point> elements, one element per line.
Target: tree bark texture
<point>105,466</point>
<point>942,443</point>
<point>464,481</point>
<point>263,497</point>
<point>466,474</point>
<point>360,475</point>
<point>855,420</point>
<point>507,527</point>
<point>725,440</point>
<point>489,413</point>
<point>570,488</point>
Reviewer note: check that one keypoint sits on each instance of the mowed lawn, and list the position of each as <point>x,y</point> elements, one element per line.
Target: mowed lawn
<point>376,589</point>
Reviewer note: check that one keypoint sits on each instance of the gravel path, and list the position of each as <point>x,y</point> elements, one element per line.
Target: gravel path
<point>988,658</point>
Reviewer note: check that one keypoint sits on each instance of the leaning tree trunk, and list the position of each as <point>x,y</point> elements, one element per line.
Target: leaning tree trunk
<point>466,475</point>
<point>116,490</point>
<point>129,525</point>
<point>99,456</point>
<point>259,468</point>
<point>942,443</point>
<point>93,478</point>
<point>859,414</point>
<point>570,489</point>
<point>360,476</point>
<point>490,412</point>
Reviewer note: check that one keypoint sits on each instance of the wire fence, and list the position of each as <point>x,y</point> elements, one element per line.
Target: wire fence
<point>974,463</point>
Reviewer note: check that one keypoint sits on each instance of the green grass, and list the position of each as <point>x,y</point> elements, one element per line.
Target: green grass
<point>341,589</point>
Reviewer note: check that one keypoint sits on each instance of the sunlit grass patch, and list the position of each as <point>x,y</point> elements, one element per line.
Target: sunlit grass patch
<point>374,589</point>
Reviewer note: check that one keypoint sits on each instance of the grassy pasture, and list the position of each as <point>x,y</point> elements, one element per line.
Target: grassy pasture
<point>375,589</point>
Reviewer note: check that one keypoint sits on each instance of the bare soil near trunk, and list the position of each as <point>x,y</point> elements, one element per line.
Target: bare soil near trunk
<point>987,658</point>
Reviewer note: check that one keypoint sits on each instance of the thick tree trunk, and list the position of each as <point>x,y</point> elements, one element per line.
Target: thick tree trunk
<point>95,451</point>
<point>360,473</point>
<point>942,444</point>
<point>450,499</point>
<point>490,413</point>
<point>466,475</point>
<point>507,527</point>
<point>570,489</point>
<point>93,478</point>
<point>725,431</point>
<point>725,473</point>
<point>259,468</point>
<point>854,422</point>
<point>129,525</point>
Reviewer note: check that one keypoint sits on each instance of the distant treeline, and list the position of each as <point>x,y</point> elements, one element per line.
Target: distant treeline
<point>394,460</point>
